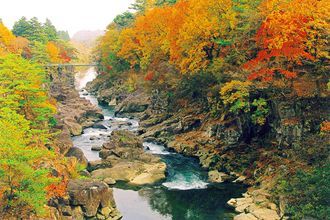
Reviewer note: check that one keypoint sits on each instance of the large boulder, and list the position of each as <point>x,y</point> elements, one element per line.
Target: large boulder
<point>136,102</point>
<point>91,195</point>
<point>87,199</point>
<point>79,154</point>
<point>136,172</point>
<point>124,159</point>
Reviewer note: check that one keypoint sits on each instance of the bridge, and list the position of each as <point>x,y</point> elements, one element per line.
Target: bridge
<point>69,64</point>
<point>64,68</point>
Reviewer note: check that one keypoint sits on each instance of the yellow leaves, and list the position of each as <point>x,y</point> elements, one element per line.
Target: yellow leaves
<point>235,90</point>
<point>54,52</point>
<point>6,36</point>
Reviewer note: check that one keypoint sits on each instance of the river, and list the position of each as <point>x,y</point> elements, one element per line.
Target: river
<point>185,194</point>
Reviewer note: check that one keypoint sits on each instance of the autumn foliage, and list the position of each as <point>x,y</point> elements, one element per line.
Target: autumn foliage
<point>27,164</point>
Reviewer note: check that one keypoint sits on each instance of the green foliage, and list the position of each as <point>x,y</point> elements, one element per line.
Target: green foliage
<point>34,30</point>
<point>63,35</point>
<point>307,193</point>
<point>22,81</point>
<point>116,63</point>
<point>39,54</point>
<point>21,183</point>
<point>261,111</point>
<point>124,20</point>
<point>236,95</point>
<point>31,29</point>
<point>50,30</point>
<point>165,2</point>
<point>194,87</point>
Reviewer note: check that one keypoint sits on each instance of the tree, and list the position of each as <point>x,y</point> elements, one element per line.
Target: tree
<point>63,35</point>
<point>291,33</point>
<point>50,30</point>
<point>53,52</point>
<point>39,53</point>
<point>124,20</point>
<point>24,114</point>
<point>22,181</point>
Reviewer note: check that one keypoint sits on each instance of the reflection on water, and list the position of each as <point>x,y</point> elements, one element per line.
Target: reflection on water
<point>161,203</point>
<point>184,195</point>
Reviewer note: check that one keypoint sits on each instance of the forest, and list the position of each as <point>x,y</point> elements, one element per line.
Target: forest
<point>232,62</point>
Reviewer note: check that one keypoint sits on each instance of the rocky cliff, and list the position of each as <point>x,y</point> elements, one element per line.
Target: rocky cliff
<point>232,148</point>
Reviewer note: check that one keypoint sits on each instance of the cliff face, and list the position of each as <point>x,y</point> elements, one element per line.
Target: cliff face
<point>256,155</point>
<point>74,113</point>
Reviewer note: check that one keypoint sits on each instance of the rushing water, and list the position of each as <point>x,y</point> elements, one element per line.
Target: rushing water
<point>185,194</point>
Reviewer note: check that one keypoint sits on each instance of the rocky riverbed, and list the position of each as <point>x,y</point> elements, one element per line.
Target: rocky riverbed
<point>223,146</point>
<point>135,166</point>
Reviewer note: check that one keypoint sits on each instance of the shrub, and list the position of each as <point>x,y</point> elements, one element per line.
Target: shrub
<point>307,193</point>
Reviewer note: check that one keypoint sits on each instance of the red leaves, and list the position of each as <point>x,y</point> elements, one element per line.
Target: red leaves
<point>264,74</point>
<point>288,74</point>
<point>282,39</point>
<point>149,76</point>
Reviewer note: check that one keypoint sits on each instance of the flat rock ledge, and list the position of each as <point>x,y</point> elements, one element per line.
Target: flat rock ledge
<point>124,159</point>
<point>254,205</point>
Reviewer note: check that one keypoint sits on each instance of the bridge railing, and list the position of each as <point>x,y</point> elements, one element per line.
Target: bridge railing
<point>68,64</point>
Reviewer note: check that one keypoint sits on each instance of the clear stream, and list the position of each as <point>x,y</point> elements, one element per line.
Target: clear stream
<point>185,194</point>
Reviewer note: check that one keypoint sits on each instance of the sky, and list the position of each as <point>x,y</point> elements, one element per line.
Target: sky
<point>70,15</point>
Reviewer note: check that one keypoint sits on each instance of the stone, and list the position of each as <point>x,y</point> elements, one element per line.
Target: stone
<point>98,164</point>
<point>113,102</point>
<point>100,217</point>
<point>245,216</point>
<point>99,125</point>
<point>240,179</point>
<point>215,176</point>
<point>77,213</point>
<point>90,194</point>
<point>106,211</point>
<point>109,181</point>
<point>77,153</point>
<point>96,148</point>
<point>265,214</point>
<point>134,172</point>
<point>74,127</point>
<point>66,211</point>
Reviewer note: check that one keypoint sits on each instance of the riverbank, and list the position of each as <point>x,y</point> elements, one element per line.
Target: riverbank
<point>184,175</point>
<point>231,148</point>
<point>190,132</point>
<point>85,197</point>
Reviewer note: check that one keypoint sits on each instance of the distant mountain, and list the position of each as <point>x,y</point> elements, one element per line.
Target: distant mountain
<point>87,37</point>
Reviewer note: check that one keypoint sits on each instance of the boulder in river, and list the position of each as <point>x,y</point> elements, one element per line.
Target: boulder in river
<point>98,164</point>
<point>87,199</point>
<point>94,197</point>
<point>99,125</point>
<point>77,153</point>
<point>96,148</point>
<point>137,173</point>
<point>129,162</point>
<point>215,176</point>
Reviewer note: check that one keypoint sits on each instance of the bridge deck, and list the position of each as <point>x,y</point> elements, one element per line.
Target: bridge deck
<point>68,64</point>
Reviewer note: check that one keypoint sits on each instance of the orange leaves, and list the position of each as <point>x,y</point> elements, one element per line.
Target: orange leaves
<point>183,34</point>
<point>53,52</point>
<point>284,37</point>
<point>149,76</point>
<point>57,189</point>
<point>57,53</point>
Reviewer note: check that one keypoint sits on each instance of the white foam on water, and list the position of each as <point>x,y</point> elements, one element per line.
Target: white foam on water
<point>182,183</point>
<point>155,148</point>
